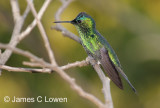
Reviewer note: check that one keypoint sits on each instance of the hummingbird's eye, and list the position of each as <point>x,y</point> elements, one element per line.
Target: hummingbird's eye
<point>79,21</point>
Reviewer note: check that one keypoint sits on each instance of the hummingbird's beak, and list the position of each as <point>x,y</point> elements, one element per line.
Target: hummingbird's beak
<point>62,22</point>
<point>72,22</point>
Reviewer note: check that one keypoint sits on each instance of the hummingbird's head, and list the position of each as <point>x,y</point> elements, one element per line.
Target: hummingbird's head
<point>81,22</point>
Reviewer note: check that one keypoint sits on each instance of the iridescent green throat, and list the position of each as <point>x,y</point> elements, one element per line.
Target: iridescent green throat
<point>89,39</point>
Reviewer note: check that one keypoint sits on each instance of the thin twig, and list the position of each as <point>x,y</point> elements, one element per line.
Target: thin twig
<point>43,34</point>
<point>33,24</point>
<point>15,10</point>
<point>65,67</point>
<point>78,89</point>
<point>44,70</point>
<point>20,69</point>
<point>59,27</point>
<point>75,64</point>
<point>106,84</point>
<point>32,64</point>
<point>26,11</point>
<point>23,53</point>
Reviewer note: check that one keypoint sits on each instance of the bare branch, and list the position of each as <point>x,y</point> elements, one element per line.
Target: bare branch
<point>65,4</point>
<point>78,89</point>
<point>106,84</point>
<point>32,64</point>
<point>15,10</point>
<point>20,69</point>
<point>43,34</point>
<point>44,70</point>
<point>16,36</point>
<point>26,11</point>
<point>65,67</point>
<point>75,64</point>
<point>16,31</point>
<point>58,27</point>
<point>23,53</point>
<point>33,24</point>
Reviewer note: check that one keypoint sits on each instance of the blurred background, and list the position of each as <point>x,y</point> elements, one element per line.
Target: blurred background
<point>132,27</point>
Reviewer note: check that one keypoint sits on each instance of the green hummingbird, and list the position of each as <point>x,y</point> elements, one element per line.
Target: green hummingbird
<point>97,46</point>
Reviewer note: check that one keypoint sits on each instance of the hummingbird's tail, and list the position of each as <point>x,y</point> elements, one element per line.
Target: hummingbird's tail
<point>126,78</point>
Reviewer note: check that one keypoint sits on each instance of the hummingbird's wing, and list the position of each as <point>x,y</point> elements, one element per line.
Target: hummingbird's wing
<point>109,68</point>
<point>113,70</point>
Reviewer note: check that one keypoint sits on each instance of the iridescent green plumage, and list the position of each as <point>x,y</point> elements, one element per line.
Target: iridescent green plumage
<point>98,47</point>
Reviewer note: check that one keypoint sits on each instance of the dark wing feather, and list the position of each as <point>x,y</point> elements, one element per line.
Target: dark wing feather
<point>109,68</point>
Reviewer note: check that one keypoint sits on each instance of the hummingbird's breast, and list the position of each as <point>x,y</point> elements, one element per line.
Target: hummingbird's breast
<point>91,44</point>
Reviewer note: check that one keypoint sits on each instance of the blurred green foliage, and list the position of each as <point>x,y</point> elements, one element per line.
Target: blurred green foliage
<point>130,26</point>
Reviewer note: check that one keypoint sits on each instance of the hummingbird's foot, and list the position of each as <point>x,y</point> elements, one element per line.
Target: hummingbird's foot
<point>98,63</point>
<point>91,60</point>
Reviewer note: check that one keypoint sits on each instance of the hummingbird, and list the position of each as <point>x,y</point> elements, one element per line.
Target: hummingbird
<point>97,46</point>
